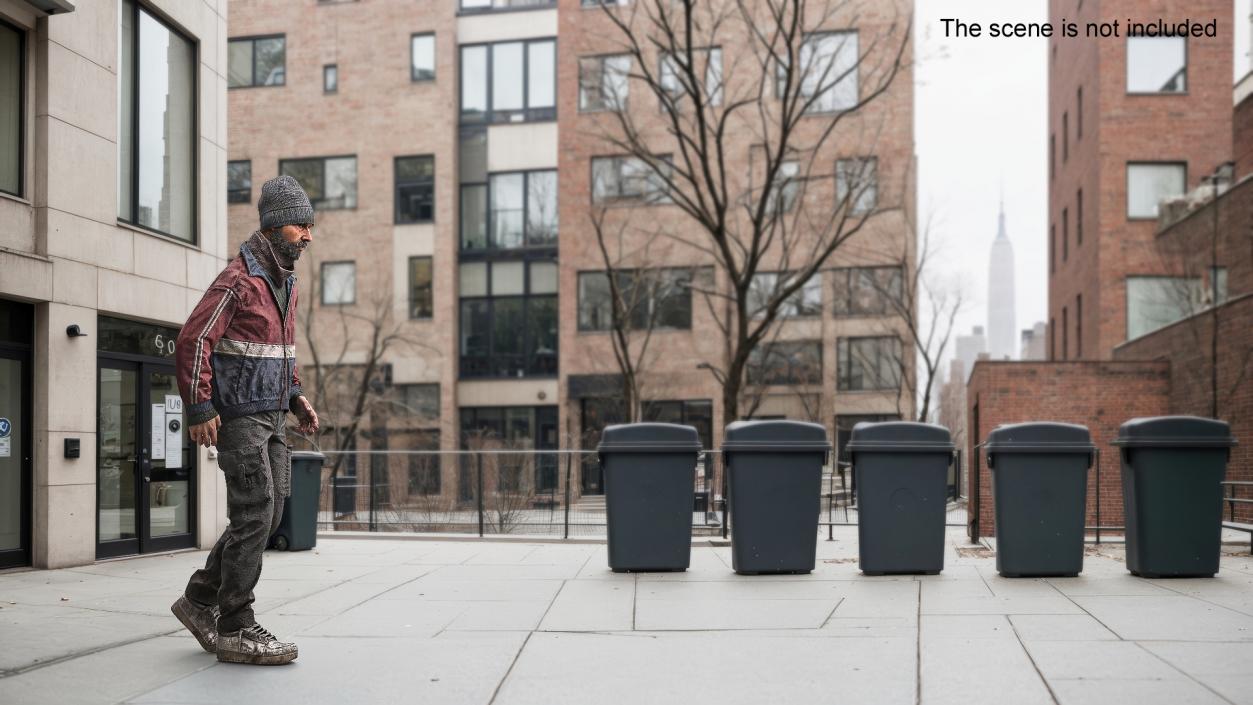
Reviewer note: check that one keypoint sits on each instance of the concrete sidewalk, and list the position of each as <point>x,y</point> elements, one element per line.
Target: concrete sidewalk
<point>387,621</point>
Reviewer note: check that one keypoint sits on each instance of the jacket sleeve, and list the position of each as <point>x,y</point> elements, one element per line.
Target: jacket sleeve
<point>193,351</point>
<point>296,391</point>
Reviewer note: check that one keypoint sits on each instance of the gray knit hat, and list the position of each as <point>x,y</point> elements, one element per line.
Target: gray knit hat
<point>283,202</point>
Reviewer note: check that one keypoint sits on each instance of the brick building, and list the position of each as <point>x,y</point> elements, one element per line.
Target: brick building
<point>1132,121</point>
<point>1155,309</point>
<point>449,140</point>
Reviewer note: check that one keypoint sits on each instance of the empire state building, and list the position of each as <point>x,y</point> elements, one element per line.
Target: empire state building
<point>1001,327</point>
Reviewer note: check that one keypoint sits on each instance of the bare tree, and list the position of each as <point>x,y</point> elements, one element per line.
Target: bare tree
<point>345,376</point>
<point>788,84</point>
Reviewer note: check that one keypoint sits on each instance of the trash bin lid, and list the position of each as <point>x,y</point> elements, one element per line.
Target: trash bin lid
<point>649,438</point>
<point>1175,432</point>
<point>1040,437</point>
<point>307,455</point>
<point>900,437</point>
<point>776,436</point>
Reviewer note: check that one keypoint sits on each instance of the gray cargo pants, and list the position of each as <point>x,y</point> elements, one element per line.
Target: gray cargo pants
<point>254,456</point>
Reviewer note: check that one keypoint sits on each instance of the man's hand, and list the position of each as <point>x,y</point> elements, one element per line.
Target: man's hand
<point>206,434</point>
<point>306,415</point>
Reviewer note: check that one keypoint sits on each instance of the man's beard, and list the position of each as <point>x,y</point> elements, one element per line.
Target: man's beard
<point>288,252</point>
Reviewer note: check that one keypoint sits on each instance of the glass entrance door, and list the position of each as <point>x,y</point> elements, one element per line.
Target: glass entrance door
<point>15,460</point>
<point>146,473</point>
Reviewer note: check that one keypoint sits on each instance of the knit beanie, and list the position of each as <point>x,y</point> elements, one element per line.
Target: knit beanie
<point>283,202</point>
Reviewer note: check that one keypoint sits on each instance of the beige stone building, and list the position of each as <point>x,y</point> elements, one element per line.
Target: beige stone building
<point>112,224</point>
<point>449,152</point>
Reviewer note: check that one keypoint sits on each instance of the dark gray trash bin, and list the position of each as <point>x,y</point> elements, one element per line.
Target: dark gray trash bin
<point>901,472</point>
<point>1040,483</point>
<point>298,529</point>
<point>774,480</point>
<point>650,483</point>
<point>1172,470</point>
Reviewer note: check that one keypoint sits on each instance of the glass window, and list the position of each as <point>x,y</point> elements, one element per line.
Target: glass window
<point>420,400</point>
<point>543,277</point>
<point>541,208</point>
<point>159,170</point>
<point>670,75</point>
<point>256,61</point>
<point>330,78</point>
<point>422,57</point>
<point>828,72</point>
<point>1149,184</point>
<point>420,290</point>
<point>339,283</point>
<point>860,178</point>
<point>1155,302</point>
<point>629,179</point>
<point>508,81</point>
<point>866,364</point>
<point>472,155</point>
<point>785,188</point>
<point>866,291</point>
<point>415,189</point>
<point>1157,65</point>
<point>330,182</point>
<point>541,74</point>
<point>508,279</point>
<point>656,298</point>
<point>487,5</point>
<point>595,301</point>
<point>603,82</point>
<point>474,217</point>
<point>424,468</point>
<point>507,84</point>
<point>474,279</point>
<point>12,100</point>
<point>805,301</point>
<point>786,362</point>
<point>239,181</point>
<point>508,210</point>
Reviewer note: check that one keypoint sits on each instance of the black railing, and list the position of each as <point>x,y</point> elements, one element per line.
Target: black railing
<point>1233,520</point>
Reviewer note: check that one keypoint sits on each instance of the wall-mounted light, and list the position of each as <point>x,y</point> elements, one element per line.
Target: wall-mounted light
<point>73,331</point>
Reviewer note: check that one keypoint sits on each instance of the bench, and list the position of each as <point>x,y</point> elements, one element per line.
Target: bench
<point>1231,500</point>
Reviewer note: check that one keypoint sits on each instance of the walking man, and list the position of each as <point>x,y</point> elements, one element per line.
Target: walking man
<point>237,376</point>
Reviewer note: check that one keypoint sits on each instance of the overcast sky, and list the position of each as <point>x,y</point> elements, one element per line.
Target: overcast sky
<point>980,126</point>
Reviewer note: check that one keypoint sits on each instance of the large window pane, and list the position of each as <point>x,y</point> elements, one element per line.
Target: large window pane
<point>126,114</point>
<point>11,102</point>
<point>507,86</point>
<point>867,364</point>
<point>1154,302</point>
<point>541,208</point>
<point>786,362</point>
<point>339,283</point>
<point>508,336</point>
<point>474,80</point>
<point>239,181</point>
<point>474,279</point>
<point>474,217</point>
<point>541,327</point>
<point>1157,65</point>
<point>595,302</point>
<point>238,63</point>
<point>1150,184</point>
<point>805,301</point>
<point>541,75</point>
<point>603,82</point>
<point>166,159</point>
<point>507,210</point>
<point>271,61</point>
<point>341,183</point>
<point>420,290</point>
<point>415,189</point>
<point>543,278</point>
<point>857,180</point>
<point>422,57</point>
<point>866,291</point>
<point>829,66</point>
<point>508,279</point>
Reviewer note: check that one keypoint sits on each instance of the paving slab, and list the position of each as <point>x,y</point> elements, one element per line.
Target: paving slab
<point>1225,668</point>
<point>976,659</point>
<point>1168,618</point>
<point>591,606</point>
<point>1140,692</point>
<point>1060,627</point>
<point>31,635</point>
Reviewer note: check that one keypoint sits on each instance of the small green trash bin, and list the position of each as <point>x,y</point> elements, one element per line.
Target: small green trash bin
<point>901,471</point>
<point>774,480</point>
<point>298,529</point>
<point>1040,484</point>
<point>650,479</point>
<point>1172,473</point>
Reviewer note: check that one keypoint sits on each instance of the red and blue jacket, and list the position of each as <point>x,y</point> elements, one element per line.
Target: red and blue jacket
<point>236,354</point>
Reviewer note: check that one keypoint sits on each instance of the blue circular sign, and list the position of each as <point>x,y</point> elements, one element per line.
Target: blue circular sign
<point>5,427</point>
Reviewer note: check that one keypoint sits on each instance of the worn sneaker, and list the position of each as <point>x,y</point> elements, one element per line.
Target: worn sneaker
<point>201,621</point>
<point>254,645</point>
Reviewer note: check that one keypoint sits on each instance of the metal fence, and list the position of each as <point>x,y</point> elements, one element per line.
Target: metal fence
<point>526,492</point>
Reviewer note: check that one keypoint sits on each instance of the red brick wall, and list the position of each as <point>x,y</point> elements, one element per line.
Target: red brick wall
<point>1186,347</point>
<point>1242,137</point>
<point>1192,127</point>
<point>1099,395</point>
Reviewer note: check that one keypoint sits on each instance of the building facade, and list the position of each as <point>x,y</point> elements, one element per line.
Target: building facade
<point>112,224</point>
<point>452,152</point>
<point>1132,122</point>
